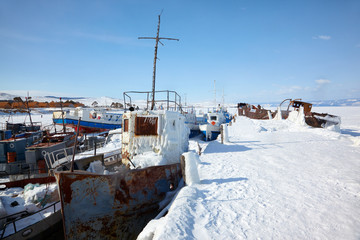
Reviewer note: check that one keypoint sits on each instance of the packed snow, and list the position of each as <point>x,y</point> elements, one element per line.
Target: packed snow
<point>31,198</point>
<point>274,179</point>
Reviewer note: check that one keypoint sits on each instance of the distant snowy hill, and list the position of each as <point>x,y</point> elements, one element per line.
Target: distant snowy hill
<point>341,102</point>
<point>106,101</point>
<point>322,103</point>
<point>102,101</point>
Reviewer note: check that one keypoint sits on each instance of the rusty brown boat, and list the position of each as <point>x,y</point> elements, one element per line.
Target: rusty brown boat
<point>313,119</point>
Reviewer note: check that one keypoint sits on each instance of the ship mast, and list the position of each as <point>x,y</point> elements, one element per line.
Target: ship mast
<point>157,38</point>
<point>27,105</point>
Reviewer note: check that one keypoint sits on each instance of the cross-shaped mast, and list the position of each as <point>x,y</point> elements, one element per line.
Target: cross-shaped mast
<point>157,38</point>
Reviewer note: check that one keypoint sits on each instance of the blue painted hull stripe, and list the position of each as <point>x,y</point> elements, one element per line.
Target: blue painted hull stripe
<point>87,124</point>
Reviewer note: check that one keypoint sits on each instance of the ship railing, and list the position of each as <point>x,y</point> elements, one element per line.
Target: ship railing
<point>62,156</point>
<point>25,214</point>
<point>165,100</point>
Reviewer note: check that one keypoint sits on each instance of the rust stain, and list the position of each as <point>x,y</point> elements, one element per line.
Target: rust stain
<point>126,125</point>
<point>135,193</point>
<point>253,112</point>
<point>145,126</point>
<point>122,193</point>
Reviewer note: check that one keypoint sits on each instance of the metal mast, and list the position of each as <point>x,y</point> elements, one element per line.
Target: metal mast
<point>215,92</point>
<point>27,105</point>
<point>157,38</point>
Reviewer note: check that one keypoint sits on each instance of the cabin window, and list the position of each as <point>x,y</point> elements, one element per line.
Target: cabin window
<point>213,118</point>
<point>126,125</point>
<point>146,125</point>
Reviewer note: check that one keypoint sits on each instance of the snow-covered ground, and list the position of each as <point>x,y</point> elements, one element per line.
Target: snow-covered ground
<point>273,180</point>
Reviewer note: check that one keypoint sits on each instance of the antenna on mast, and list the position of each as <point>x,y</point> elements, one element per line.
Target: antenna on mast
<point>223,98</point>
<point>157,38</point>
<point>215,92</point>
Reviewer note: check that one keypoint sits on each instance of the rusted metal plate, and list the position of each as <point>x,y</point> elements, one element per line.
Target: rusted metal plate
<point>113,206</point>
<point>126,125</point>
<point>253,112</point>
<point>146,125</point>
<point>319,120</point>
<point>297,104</point>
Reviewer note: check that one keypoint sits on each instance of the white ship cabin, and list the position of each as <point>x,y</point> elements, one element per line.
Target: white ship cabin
<point>149,135</point>
<point>216,118</point>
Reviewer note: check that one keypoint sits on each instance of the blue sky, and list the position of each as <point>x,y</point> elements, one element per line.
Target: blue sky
<point>257,51</point>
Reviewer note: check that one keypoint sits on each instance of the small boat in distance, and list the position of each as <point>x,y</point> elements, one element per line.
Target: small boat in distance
<point>92,120</point>
<point>211,128</point>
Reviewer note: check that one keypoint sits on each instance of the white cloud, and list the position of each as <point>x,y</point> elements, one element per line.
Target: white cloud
<point>322,81</point>
<point>322,37</point>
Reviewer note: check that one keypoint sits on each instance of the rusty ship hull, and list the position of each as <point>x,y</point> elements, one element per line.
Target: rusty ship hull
<point>116,206</point>
<point>313,119</point>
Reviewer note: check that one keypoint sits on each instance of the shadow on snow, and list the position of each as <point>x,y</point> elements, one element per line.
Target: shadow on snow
<point>350,132</point>
<point>217,147</point>
<point>223,180</point>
